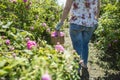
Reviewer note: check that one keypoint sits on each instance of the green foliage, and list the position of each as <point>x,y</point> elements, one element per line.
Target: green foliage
<point>32,19</point>
<point>21,63</point>
<point>32,13</point>
<point>108,34</point>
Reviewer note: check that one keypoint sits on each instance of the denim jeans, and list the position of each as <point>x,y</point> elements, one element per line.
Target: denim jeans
<point>80,37</point>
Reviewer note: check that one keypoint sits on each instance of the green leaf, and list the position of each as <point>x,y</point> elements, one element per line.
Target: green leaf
<point>7,25</point>
<point>2,63</point>
<point>2,31</point>
<point>18,61</point>
<point>1,23</point>
<point>7,68</point>
<point>28,52</point>
<point>24,33</point>
<point>3,72</point>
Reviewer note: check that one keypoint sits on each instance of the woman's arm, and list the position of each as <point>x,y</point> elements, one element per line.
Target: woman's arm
<point>98,13</point>
<point>66,10</point>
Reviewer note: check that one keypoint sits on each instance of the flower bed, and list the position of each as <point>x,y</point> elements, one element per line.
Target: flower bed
<point>24,34</point>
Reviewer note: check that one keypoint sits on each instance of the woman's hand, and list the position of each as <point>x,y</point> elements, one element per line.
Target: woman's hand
<point>58,26</point>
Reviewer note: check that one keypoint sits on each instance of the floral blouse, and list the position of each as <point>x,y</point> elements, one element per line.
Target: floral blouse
<point>84,12</point>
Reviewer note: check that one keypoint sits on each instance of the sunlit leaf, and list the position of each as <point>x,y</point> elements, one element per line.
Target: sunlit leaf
<point>3,72</point>
<point>2,63</point>
<point>7,25</point>
<point>28,51</point>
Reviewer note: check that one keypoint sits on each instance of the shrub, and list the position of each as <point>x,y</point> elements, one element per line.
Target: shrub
<point>30,15</point>
<point>108,35</point>
<point>17,61</point>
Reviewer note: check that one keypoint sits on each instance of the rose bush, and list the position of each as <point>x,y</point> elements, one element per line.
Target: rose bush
<point>24,52</point>
<point>108,34</point>
<point>21,57</point>
<point>31,15</point>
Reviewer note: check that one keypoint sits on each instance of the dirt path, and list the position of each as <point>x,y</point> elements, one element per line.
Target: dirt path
<point>94,69</point>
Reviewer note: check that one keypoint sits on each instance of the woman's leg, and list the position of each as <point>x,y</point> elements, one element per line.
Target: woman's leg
<point>87,34</point>
<point>76,38</point>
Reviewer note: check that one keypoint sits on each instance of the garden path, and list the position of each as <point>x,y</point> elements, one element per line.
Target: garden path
<point>95,70</point>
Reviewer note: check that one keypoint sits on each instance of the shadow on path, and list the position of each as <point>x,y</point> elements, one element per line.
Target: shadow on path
<point>111,77</point>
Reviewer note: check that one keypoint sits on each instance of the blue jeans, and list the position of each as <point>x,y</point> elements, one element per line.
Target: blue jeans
<point>80,37</point>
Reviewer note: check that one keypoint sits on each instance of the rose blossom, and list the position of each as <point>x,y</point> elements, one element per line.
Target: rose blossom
<point>48,30</point>
<point>44,24</point>
<point>59,47</point>
<point>31,44</point>
<point>46,76</point>
<point>27,38</point>
<point>7,41</point>
<point>54,34</point>
<point>32,28</point>
<point>62,34</point>
<point>14,55</point>
<point>24,1</point>
<point>12,48</point>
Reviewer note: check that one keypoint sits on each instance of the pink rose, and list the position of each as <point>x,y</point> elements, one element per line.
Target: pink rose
<point>46,76</point>
<point>48,30</point>
<point>59,47</point>
<point>27,38</point>
<point>24,1</point>
<point>14,55</point>
<point>32,28</point>
<point>7,41</point>
<point>12,48</point>
<point>44,24</point>
<point>54,34</point>
<point>31,44</point>
<point>62,34</point>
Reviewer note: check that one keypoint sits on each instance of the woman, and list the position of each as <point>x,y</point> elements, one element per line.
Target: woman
<point>83,22</point>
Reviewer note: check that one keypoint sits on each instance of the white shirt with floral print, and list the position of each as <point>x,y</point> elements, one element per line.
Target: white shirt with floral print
<point>84,12</point>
